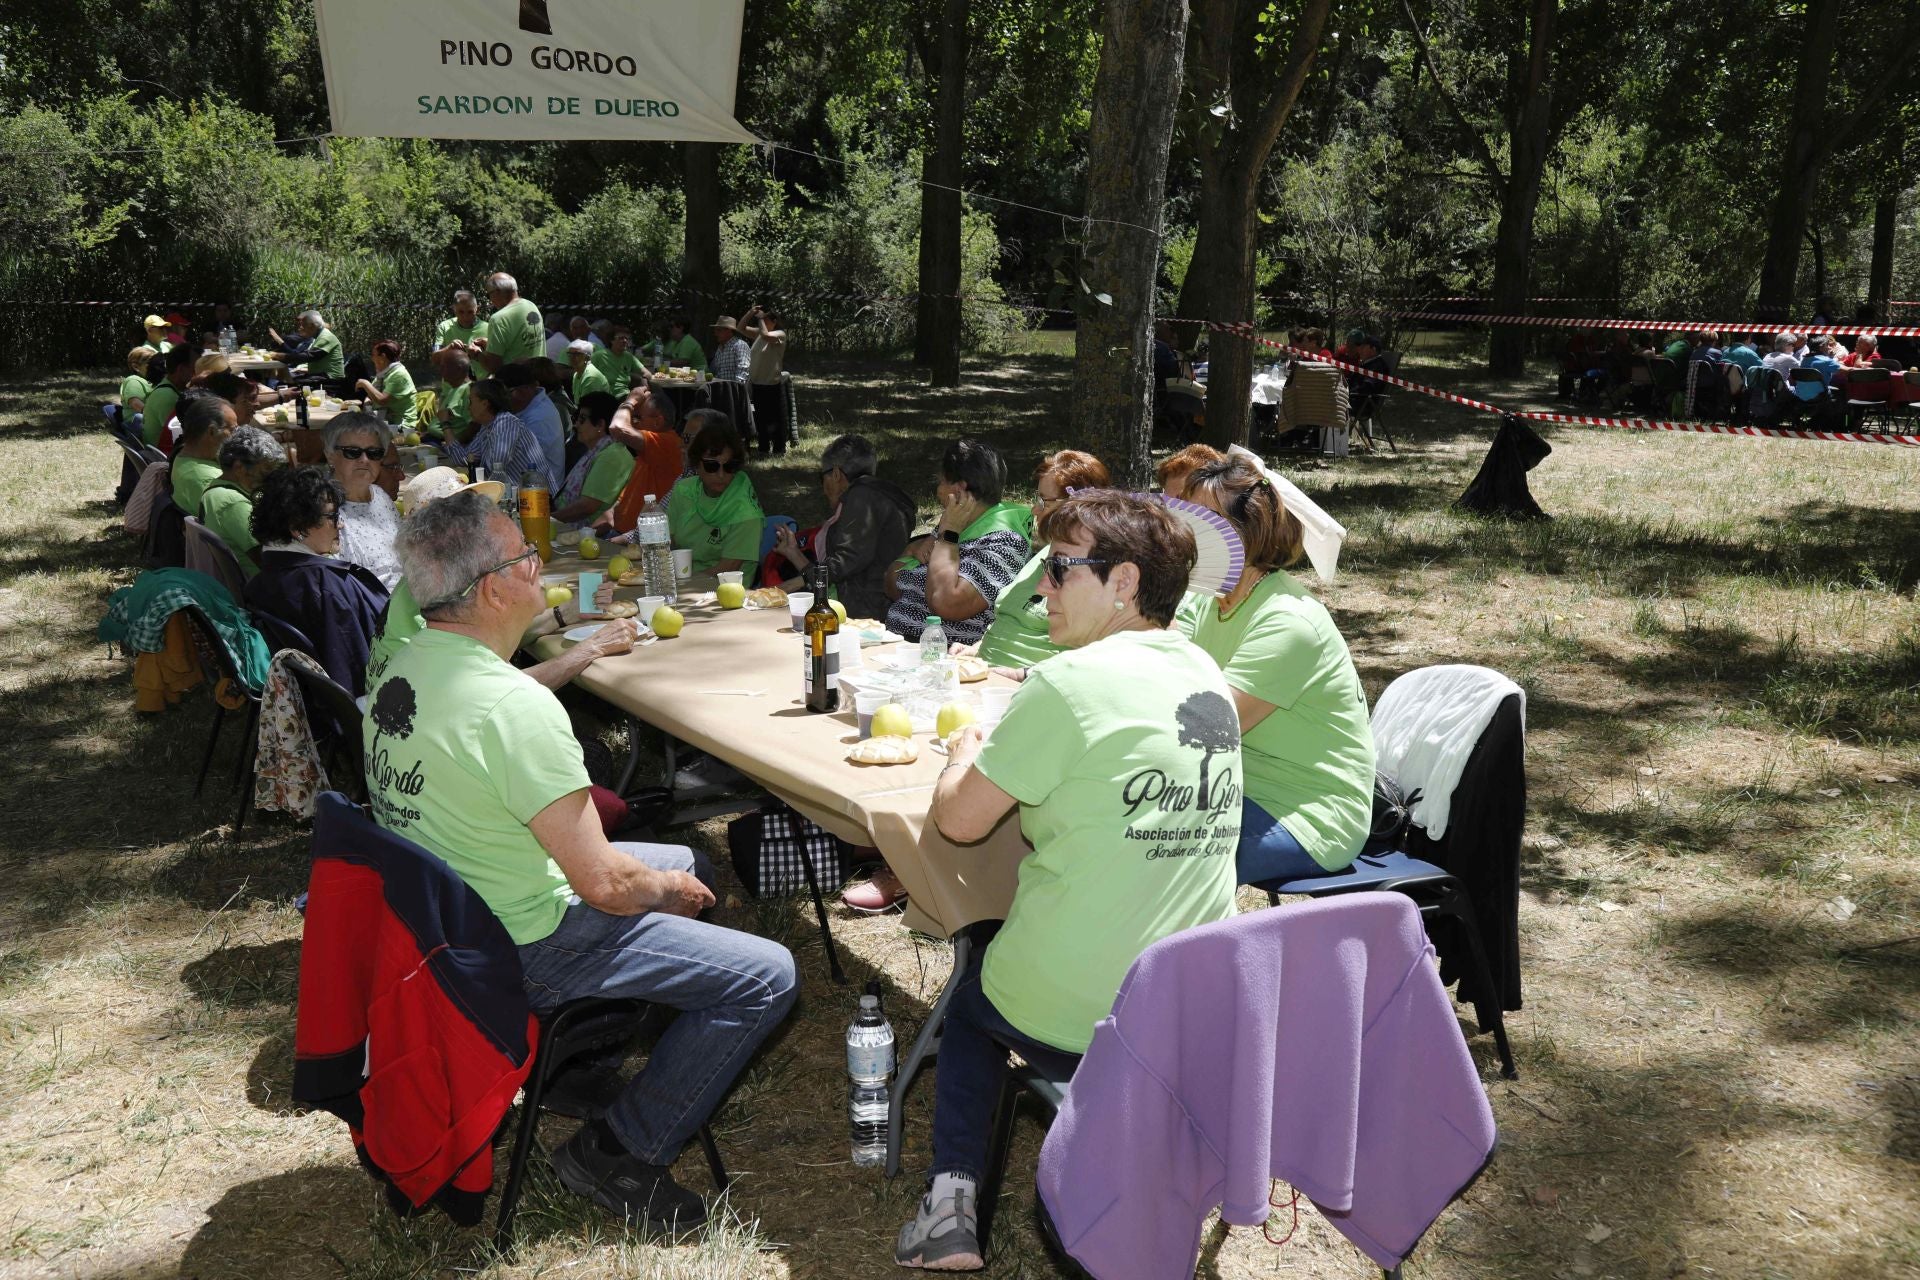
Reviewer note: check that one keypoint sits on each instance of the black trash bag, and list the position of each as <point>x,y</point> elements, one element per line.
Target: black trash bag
<point>1501,487</point>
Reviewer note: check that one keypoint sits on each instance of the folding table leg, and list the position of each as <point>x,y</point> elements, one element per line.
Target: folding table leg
<point>633,759</point>
<point>926,1046</point>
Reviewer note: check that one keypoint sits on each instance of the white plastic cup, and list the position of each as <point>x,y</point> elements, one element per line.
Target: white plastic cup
<point>993,705</point>
<point>865,703</point>
<point>798,602</point>
<point>682,563</point>
<point>648,606</point>
<point>735,576</point>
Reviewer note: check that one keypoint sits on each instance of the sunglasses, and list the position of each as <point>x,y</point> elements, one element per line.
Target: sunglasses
<point>353,452</point>
<point>714,468</point>
<point>1058,566</point>
<point>528,552</point>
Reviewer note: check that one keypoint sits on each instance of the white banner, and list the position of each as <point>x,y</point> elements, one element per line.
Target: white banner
<point>533,70</point>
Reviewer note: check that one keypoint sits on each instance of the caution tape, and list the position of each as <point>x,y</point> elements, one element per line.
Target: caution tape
<point>1662,326</point>
<point>663,299</point>
<point>1580,419</point>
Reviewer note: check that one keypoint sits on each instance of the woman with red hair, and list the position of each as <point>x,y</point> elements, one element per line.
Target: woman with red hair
<point>1017,637</point>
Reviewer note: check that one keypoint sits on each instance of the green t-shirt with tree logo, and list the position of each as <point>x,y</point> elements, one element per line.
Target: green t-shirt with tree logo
<point>515,332</point>
<point>1310,762</point>
<point>1125,758</point>
<point>463,750</point>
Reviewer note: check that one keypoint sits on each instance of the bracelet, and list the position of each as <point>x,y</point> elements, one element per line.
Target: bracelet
<point>559,619</point>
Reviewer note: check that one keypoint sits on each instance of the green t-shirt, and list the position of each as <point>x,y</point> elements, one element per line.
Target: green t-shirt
<point>1310,762</point>
<point>162,402</point>
<point>686,351</point>
<point>450,331</point>
<point>227,509</point>
<point>1125,758</point>
<point>454,401</point>
<point>397,384</point>
<point>191,476</point>
<point>133,387</point>
<point>403,622</point>
<point>326,358</point>
<point>463,750</point>
<point>1017,636</point>
<point>728,527</point>
<point>608,475</point>
<point>587,381</point>
<point>622,370</point>
<point>515,332</point>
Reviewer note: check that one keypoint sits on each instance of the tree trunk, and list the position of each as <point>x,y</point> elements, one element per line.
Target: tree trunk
<point>1880,272</point>
<point>1787,220</point>
<point>937,334</point>
<point>1135,92</point>
<point>701,277</point>
<point>1822,302</point>
<point>1219,286</point>
<point>1529,142</point>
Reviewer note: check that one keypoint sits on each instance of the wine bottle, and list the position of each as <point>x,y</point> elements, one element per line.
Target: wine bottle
<point>823,648</point>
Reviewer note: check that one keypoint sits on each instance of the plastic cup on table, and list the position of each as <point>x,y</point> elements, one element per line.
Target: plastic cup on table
<point>682,563</point>
<point>865,703</point>
<point>736,576</point>
<point>648,606</point>
<point>798,602</point>
<point>993,705</point>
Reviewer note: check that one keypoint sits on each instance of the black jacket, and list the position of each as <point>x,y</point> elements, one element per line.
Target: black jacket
<point>336,604</point>
<point>875,520</point>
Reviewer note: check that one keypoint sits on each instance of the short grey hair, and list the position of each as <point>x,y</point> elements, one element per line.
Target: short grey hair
<point>1786,340</point>
<point>852,455</point>
<point>444,547</point>
<point>462,295</point>
<point>582,321</point>
<point>313,318</point>
<point>250,446</point>
<point>501,282</point>
<point>357,423</point>
<point>1871,341</point>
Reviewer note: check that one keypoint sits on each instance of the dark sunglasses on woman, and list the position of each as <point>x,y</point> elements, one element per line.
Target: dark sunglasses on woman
<point>712,467</point>
<point>353,452</point>
<point>1059,566</point>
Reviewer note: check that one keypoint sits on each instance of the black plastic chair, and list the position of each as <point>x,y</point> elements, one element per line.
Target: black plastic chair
<point>213,652</point>
<point>207,552</point>
<point>577,1027</point>
<point>334,718</point>
<point>1367,397</point>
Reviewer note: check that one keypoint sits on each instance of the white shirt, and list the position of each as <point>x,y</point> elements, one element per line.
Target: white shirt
<point>367,531</point>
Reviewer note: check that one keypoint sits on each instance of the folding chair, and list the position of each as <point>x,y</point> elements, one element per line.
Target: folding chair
<point>1640,389</point>
<point>1736,392</point>
<point>1667,383</point>
<point>334,717</point>
<point>133,464</point>
<point>1365,404</point>
<point>1868,390</point>
<point>208,553</point>
<point>213,651</point>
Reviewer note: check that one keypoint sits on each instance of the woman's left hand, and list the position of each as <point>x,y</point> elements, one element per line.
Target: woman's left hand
<point>962,511</point>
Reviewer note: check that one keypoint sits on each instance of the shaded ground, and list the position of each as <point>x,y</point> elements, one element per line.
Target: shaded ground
<point>1720,1073</point>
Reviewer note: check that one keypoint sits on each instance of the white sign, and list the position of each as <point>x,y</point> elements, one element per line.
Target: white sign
<point>533,70</point>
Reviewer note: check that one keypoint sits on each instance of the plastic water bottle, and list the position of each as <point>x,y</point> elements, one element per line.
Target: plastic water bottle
<point>933,643</point>
<point>869,1065</point>
<point>228,340</point>
<point>650,533</point>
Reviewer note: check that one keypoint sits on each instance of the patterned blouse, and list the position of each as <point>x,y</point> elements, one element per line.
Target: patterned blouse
<point>989,562</point>
<point>367,531</point>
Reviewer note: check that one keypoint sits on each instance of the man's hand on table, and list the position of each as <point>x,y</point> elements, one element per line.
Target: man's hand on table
<point>612,640</point>
<point>964,747</point>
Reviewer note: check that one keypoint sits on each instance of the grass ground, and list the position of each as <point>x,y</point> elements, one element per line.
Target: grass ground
<point>1720,1071</point>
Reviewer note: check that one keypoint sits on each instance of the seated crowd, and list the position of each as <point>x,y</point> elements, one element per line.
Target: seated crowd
<point>1247,706</point>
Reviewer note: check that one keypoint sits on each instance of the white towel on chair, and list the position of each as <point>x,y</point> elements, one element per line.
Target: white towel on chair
<point>1425,726</point>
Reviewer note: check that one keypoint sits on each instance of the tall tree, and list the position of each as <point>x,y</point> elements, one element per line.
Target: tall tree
<point>1135,93</point>
<point>1244,87</point>
<point>943,43</point>
<point>1530,121</point>
<point>702,278</point>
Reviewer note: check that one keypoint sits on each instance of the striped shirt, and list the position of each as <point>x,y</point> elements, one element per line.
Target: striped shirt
<point>731,360</point>
<point>989,563</point>
<point>505,447</point>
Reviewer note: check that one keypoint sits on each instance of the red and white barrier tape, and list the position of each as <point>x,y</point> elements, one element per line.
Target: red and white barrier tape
<point>1581,419</point>
<point>1662,326</point>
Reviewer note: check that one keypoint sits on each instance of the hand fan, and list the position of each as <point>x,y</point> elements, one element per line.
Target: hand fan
<point>1222,555</point>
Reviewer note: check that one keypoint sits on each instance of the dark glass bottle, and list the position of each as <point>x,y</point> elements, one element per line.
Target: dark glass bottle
<point>823,648</point>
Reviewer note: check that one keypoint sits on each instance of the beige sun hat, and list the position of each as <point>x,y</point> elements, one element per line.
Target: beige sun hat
<point>443,482</point>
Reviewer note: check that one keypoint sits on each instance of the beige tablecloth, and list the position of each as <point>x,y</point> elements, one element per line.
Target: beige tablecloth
<point>800,756</point>
<point>244,365</point>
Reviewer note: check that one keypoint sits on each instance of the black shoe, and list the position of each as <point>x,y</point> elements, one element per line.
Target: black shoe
<point>584,1093</point>
<point>593,1164</point>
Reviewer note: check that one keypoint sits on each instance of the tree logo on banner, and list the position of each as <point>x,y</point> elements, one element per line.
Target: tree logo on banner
<point>533,17</point>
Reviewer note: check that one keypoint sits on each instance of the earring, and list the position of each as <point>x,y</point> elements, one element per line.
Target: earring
<point>1119,604</point>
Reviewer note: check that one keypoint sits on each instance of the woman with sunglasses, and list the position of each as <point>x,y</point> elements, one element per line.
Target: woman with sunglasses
<point>1305,736</point>
<point>357,449</point>
<point>334,603</point>
<point>1122,755</point>
<point>714,512</point>
<point>1017,637</point>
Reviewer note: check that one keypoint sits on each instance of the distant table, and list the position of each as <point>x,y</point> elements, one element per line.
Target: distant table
<point>306,440</point>
<point>245,365</point>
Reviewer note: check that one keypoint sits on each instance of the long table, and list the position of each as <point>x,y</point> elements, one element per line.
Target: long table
<point>800,757</point>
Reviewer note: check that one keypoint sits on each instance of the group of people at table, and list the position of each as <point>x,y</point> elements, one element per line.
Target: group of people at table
<point>1605,367</point>
<point>1162,747</point>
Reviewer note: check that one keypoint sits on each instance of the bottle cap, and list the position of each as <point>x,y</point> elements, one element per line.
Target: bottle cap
<point>869,1003</point>
<point>651,497</point>
<point>933,621</point>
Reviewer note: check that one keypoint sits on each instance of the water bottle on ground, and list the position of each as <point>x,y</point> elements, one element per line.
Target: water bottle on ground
<point>869,1065</point>
<point>651,535</point>
<point>933,643</point>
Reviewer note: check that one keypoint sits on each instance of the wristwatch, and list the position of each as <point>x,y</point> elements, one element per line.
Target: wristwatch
<point>948,535</point>
<point>559,619</point>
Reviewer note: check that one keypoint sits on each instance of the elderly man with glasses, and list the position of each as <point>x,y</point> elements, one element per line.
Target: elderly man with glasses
<point>474,760</point>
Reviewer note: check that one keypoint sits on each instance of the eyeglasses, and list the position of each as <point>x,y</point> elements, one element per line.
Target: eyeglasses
<point>353,452</point>
<point>1058,566</point>
<point>528,552</point>
<point>713,468</point>
<point>332,515</point>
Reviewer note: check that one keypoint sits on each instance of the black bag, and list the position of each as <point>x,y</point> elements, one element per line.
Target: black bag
<point>767,847</point>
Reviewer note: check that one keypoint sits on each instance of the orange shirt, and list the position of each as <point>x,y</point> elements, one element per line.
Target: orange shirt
<point>656,469</point>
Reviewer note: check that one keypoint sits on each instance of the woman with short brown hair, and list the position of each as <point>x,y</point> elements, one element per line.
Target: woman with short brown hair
<point>1306,741</point>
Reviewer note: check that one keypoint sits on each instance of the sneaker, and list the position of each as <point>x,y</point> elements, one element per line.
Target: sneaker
<point>583,1093</point>
<point>592,1163</point>
<point>881,892</point>
<point>943,1236</point>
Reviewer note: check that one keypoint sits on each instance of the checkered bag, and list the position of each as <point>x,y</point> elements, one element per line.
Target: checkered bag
<point>767,847</point>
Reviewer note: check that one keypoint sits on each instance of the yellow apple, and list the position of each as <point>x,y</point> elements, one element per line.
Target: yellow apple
<point>589,548</point>
<point>619,567</point>
<point>955,715</point>
<point>892,721</point>
<point>558,596</point>
<point>840,610</point>
<point>667,622</point>
<point>731,595</point>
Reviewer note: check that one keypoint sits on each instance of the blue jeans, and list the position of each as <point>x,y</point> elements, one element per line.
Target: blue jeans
<point>1268,850</point>
<point>968,1073</point>
<point>731,988</point>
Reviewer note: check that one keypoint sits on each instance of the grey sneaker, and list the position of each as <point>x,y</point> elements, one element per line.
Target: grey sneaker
<point>943,1236</point>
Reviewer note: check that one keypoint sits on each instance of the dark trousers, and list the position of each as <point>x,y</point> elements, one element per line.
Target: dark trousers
<point>769,416</point>
<point>969,1071</point>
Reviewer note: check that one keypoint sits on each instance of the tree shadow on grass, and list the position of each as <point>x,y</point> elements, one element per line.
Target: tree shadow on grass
<point>302,1223</point>
<point>248,976</point>
<point>270,1075</point>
